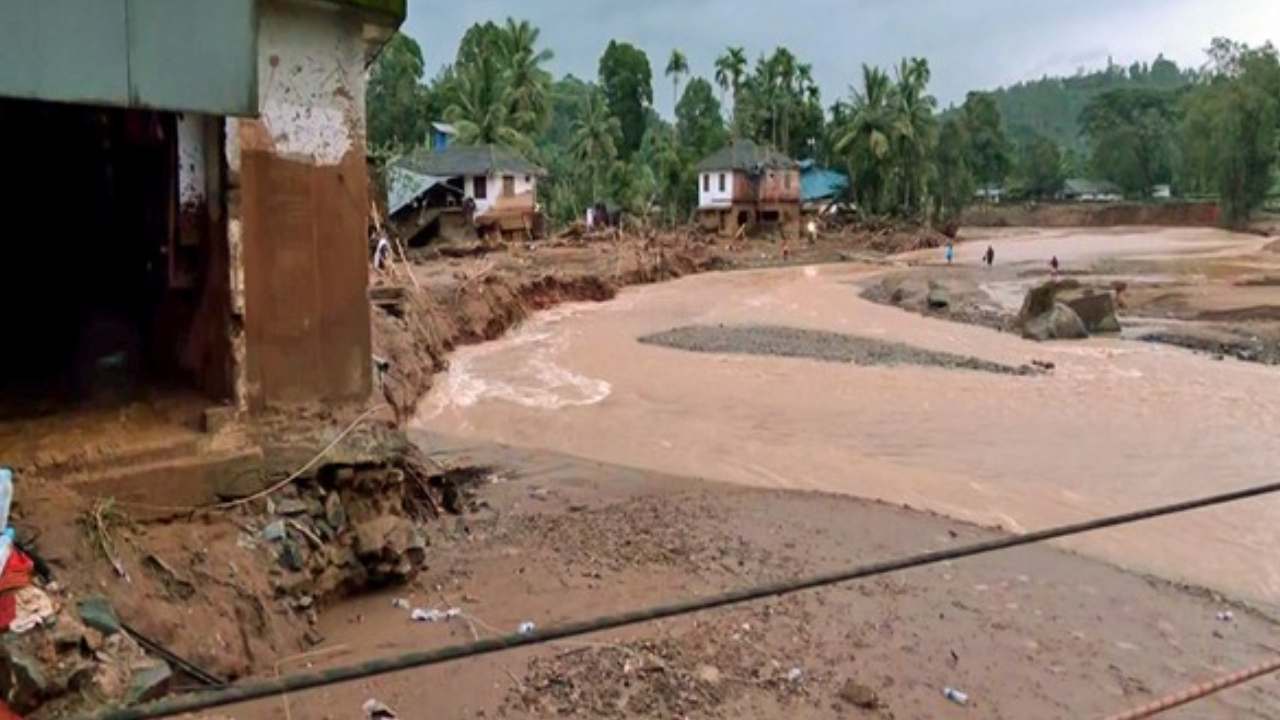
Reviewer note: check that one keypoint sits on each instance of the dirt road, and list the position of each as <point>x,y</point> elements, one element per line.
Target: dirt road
<point>1030,633</point>
<point>1117,425</point>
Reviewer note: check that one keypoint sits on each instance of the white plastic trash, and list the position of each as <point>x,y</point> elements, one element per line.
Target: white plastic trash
<point>955,696</point>
<point>526,628</point>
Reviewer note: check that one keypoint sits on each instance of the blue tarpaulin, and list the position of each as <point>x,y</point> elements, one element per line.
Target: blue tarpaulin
<point>819,183</point>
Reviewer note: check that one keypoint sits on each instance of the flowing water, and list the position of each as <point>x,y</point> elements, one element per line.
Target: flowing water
<point>1117,425</point>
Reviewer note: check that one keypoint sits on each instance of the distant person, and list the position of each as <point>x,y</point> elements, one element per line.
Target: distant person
<point>989,257</point>
<point>1054,267</point>
<point>951,252</point>
<point>382,253</point>
<point>812,229</point>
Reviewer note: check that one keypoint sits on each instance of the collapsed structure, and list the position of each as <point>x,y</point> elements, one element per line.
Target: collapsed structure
<point>190,196</point>
<point>450,188</point>
<point>744,185</point>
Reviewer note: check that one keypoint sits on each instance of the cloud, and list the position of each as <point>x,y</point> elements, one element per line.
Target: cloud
<point>970,44</point>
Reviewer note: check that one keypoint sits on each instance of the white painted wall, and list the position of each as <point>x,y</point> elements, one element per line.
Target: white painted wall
<point>715,197</point>
<point>311,80</point>
<point>524,184</point>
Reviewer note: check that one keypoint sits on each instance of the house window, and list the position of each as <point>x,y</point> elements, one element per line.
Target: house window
<point>508,185</point>
<point>721,182</point>
<point>706,183</point>
<point>481,187</point>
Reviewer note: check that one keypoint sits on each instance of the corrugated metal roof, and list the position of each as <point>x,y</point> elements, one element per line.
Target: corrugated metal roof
<point>746,155</point>
<point>405,186</point>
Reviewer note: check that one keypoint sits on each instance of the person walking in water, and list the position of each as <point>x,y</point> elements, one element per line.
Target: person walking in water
<point>951,252</point>
<point>989,257</point>
<point>1053,267</point>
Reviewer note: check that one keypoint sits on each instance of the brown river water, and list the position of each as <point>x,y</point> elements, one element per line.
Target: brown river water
<point>1118,425</point>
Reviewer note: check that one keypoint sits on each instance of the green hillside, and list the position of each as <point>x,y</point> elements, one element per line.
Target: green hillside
<point>1051,106</point>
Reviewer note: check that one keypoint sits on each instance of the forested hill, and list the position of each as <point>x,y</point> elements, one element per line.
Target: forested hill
<point>1051,106</point>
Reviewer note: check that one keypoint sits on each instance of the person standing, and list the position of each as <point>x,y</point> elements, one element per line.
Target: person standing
<point>1053,267</point>
<point>951,252</point>
<point>990,256</point>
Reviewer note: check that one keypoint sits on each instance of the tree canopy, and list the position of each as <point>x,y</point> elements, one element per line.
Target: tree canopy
<point>627,81</point>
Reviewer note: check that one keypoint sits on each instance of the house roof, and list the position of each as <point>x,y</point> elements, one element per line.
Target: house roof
<point>817,183</point>
<point>405,186</point>
<point>457,160</point>
<point>747,156</point>
<point>1082,186</point>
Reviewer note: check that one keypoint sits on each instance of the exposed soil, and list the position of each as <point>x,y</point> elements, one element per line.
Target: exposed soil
<point>817,345</point>
<point>1224,303</point>
<point>1177,214</point>
<point>458,295</point>
<point>1036,632</point>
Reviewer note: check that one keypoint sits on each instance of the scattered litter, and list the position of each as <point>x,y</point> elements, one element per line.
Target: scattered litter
<point>400,604</point>
<point>955,696</point>
<point>432,615</point>
<point>1226,616</point>
<point>375,710</point>
<point>526,628</point>
<point>34,607</point>
<point>794,674</point>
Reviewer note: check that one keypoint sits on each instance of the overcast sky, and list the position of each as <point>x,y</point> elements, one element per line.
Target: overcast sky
<point>970,44</point>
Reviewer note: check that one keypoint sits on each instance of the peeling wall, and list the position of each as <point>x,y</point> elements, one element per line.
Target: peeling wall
<point>299,228</point>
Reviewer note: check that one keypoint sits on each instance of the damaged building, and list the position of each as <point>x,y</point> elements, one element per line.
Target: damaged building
<point>744,186</point>
<point>188,198</point>
<point>452,190</point>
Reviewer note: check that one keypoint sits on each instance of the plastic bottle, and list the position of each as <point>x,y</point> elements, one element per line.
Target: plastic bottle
<point>956,696</point>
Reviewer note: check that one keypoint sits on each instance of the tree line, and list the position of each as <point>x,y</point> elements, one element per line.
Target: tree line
<point>1213,131</point>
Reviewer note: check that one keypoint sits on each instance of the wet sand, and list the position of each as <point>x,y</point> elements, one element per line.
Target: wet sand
<point>1029,633</point>
<point>1116,426</point>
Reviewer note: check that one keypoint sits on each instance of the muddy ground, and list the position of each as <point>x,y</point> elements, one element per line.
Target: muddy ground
<point>1226,304</point>
<point>1035,632</point>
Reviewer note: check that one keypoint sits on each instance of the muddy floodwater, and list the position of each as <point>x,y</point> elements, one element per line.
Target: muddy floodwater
<point>1116,425</point>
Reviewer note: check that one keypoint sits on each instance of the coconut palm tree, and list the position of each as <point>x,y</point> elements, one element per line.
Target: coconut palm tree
<point>595,140</point>
<point>527,82</point>
<point>730,67</point>
<point>866,138</point>
<point>915,130</point>
<point>478,107</point>
<point>677,66</point>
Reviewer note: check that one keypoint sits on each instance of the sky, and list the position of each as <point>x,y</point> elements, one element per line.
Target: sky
<point>970,44</point>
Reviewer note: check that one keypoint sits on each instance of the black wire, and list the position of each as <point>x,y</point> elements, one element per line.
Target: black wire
<point>303,681</point>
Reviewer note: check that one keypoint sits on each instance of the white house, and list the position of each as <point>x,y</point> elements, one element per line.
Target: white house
<point>494,177</point>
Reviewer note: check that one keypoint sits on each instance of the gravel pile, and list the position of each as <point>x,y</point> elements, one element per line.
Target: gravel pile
<point>817,345</point>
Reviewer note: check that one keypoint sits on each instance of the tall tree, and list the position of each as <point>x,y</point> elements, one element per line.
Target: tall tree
<point>677,67</point>
<point>478,106</point>
<point>866,138</point>
<point>990,156</point>
<point>952,181</point>
<point>528,85</point>
<point>399,105</point>
<point>1040,167</point>
<point>626,79</point>
<point>730,69</point>
<point>914,134</point>
<point>1231,133</point>
<point>698,119</point>
<point>1131,136</point>
<point>596,137</point>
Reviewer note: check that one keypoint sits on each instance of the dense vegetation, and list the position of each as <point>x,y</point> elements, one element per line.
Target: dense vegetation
<point>1213,131</point>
